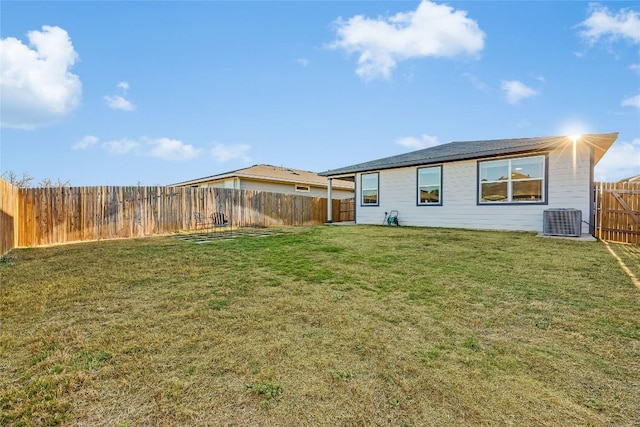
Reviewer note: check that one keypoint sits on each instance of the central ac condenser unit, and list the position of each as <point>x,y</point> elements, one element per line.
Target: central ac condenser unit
<point>562,222</point>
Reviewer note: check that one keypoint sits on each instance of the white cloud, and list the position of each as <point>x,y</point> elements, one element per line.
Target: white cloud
<point>621,161</point>
<point>423,141</point>
<point>633,101</point>
<point>516,91</point>
<point>121,146</point>
<point>431,30</point>
<point>36,85</point>
<point>86,142</point>
<point>164,148</point>
<point>119,102</point>
<point>224,153</point>
<point>303,61</point>
<point>610,26</point>
<point>635,68</point>
<point>171,149</point>
<point>476,82</point>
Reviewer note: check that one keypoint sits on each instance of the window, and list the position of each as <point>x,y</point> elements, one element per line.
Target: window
<point>518,180</point>
<point>430,186</point>
<point>369,185</point>
<point>303,188</point>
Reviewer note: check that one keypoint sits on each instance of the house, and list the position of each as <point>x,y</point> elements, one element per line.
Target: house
<point>275,179</point>
<point>631,179</point>
<point>503,184</point>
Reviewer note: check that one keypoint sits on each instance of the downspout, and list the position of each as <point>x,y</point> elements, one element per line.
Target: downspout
<point>355,198</point>
<point>329,203</point>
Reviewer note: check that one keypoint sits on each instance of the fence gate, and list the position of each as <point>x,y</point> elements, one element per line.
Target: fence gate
<point>618,211</point>
<point>347,209</point>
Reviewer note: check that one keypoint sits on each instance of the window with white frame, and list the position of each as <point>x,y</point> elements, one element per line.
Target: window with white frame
<point>369,189</point>
<point>514,180</point>
<point>430,185</point>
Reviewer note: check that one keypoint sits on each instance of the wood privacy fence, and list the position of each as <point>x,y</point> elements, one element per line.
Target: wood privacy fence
<point>8,217</point>
<point>347,209</point>
<point>43,216</point>
<point>617,216</point>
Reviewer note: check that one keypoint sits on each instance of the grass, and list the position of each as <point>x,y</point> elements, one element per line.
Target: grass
<point>320,326</point>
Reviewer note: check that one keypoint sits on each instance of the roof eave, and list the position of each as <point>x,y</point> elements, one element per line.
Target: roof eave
<point>291,181</point>
<point>600,144</point>
<point>258,178</point>
<point>437,160</point>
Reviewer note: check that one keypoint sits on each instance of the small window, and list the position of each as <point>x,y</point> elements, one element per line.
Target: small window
<point>303,188</point>
<point>518,180</point>
<point>369,186</point>
<point>430,186</point>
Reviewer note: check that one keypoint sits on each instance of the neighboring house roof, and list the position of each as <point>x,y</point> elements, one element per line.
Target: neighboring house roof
<point>635,178</point>
<point>467,150</point>
<point>272,173</point>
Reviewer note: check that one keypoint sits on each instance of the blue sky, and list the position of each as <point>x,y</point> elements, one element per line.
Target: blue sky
<point>153,93</point>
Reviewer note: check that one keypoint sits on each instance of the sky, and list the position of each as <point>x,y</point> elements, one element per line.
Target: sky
<point>159,92</point>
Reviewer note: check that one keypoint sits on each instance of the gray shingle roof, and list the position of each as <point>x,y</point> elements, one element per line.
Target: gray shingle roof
<point>467,150</point>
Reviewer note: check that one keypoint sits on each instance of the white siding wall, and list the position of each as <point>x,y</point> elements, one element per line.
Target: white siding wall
<point>225,183</point>
<point>274,187</point>
<point>232,183</point>
<point>567,188</point>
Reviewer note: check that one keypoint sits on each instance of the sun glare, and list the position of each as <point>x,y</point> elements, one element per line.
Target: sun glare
<point>573,128</point>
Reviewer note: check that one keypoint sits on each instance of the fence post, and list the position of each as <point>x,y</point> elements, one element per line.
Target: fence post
<point>599,197</point>
<point>329,204</point>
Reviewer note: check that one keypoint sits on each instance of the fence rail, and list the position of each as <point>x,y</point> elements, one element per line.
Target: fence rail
<point>618,211</point>
<point>44,216</point>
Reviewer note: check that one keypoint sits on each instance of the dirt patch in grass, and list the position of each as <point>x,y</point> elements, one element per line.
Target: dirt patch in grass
<point>321,326</point>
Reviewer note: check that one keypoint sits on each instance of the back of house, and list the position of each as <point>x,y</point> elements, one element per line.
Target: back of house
<point>508,184</point>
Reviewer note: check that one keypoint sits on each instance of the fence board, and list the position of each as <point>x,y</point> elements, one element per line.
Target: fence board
<point>9,208</point>
<point>618,211</point>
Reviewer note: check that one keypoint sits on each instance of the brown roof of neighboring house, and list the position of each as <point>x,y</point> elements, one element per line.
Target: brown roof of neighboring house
<point>273,174</point>
<point>635,178</point>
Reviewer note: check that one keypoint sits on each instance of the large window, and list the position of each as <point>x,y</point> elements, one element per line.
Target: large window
<point>430,186</point>
<point>517,180</point>
<point>369,186</point>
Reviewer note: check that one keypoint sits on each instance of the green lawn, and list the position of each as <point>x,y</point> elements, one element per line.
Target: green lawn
<point>330,326</point>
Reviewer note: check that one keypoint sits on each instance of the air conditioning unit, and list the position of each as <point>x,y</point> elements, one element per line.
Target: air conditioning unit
<point>562,222</point>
